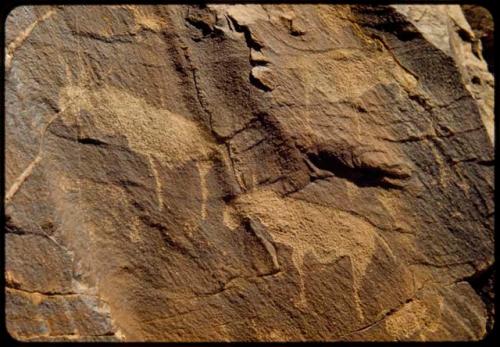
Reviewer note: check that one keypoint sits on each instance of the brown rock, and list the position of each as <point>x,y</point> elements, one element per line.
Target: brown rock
<point>481,22</point>
<point>446,27</point>
<point>247,173</point>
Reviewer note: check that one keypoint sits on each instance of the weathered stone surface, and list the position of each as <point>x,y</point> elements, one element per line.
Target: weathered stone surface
<point>481,21</point>
<point>247,173</point>
<point>446,27</point>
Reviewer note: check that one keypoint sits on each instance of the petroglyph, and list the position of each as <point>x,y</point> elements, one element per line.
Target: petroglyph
<point>283,172</point>
<point>204,169</point>
<point>158,183</point>
<point>413,318</point>
<point>168,136</point>
<point>326,232</point>
<point>145,19</point>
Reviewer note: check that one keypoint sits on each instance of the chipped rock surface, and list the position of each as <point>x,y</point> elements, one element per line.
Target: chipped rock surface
<point>247,173</point>
<point>446,27</point>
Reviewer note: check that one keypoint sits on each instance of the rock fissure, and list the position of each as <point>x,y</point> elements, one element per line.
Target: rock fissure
<point>360,176</point>
<point>384,317</point>
<point>245,172</point>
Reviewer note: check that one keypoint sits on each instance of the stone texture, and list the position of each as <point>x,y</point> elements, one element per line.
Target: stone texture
<point>446,27</point>
<point>247,173</point>
<point>481,21</point>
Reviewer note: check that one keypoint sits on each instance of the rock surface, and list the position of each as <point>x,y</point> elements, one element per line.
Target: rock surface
<point>481,21</point>
<point>247,173</point>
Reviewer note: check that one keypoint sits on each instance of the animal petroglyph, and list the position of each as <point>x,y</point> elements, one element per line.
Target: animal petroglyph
<point>327,233</point>
<point>169,136</point>
<point>276,172</point>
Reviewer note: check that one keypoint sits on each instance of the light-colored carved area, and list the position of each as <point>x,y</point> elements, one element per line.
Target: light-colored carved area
<point>278,172</point>
<point>147,129</point>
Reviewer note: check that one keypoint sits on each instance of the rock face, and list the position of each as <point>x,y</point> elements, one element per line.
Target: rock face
<point>447,29</point>
<point>481,21</point>
<point>247,173</point>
